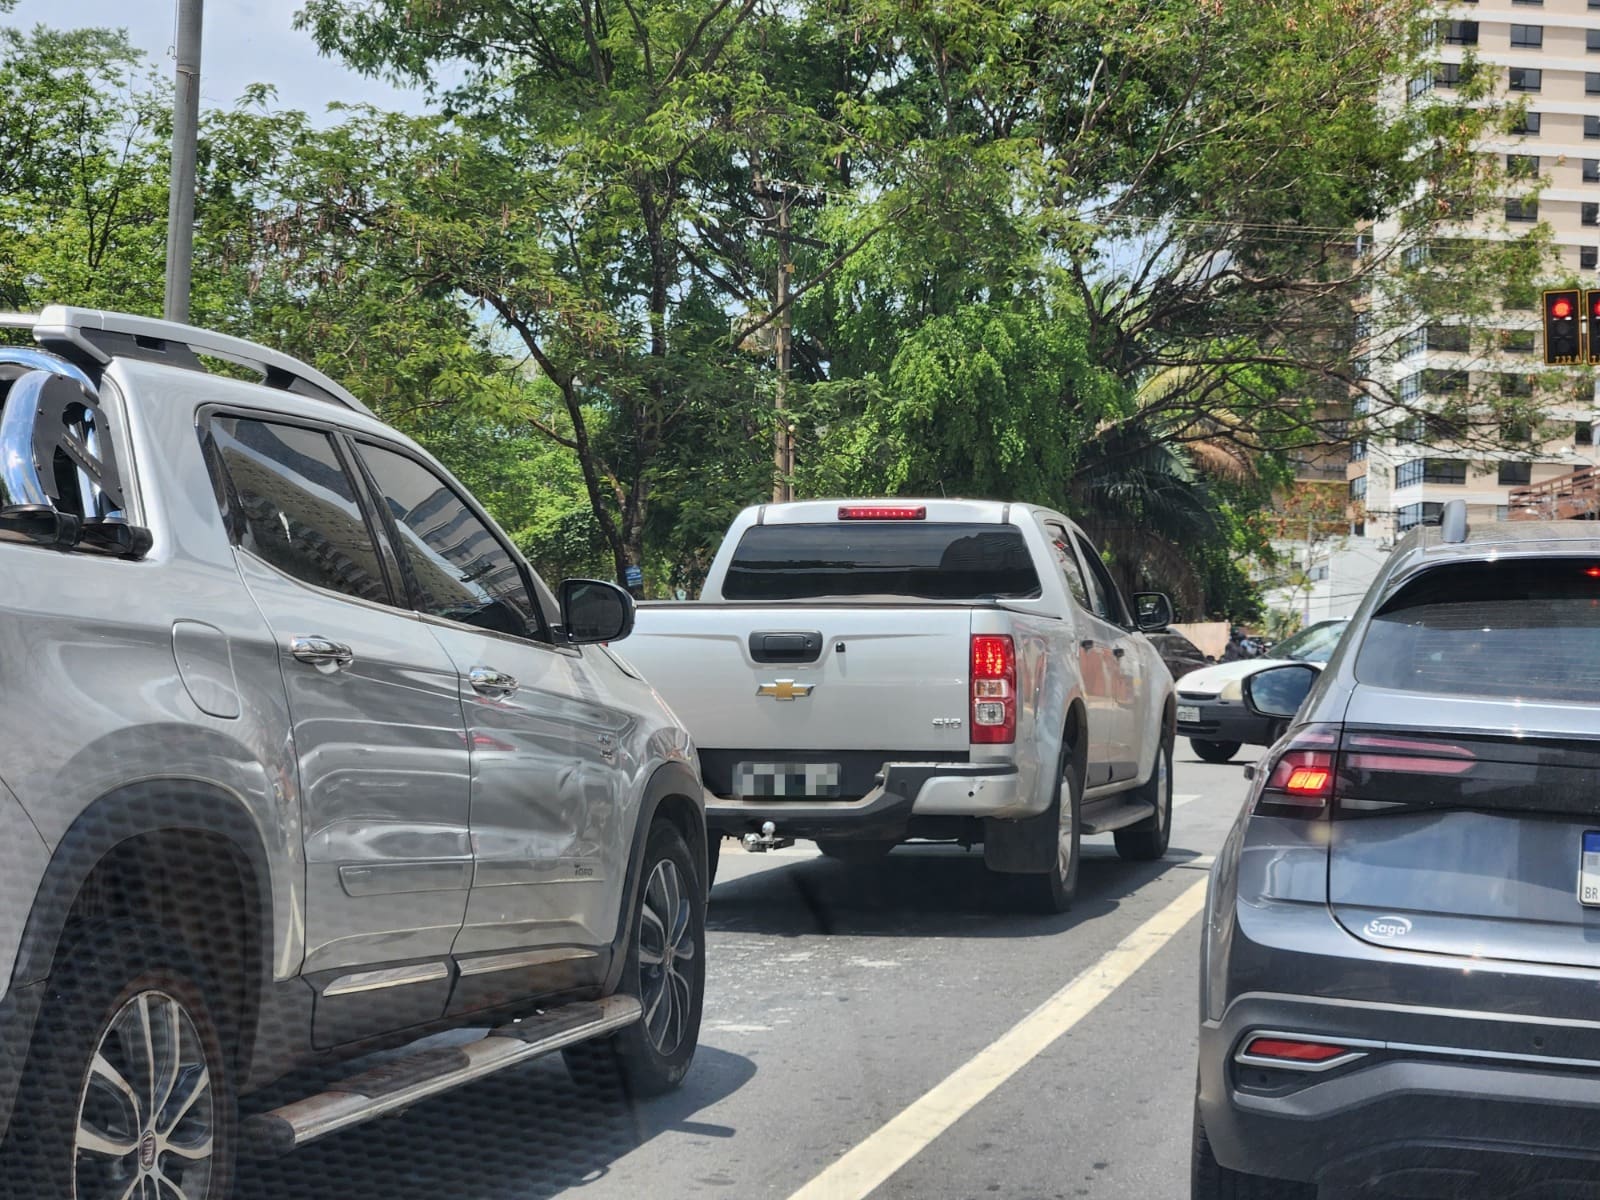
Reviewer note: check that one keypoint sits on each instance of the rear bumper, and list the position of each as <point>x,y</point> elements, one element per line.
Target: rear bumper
<point>1438,1102</point>
<point>902,795</point>
<point>1224,721</point>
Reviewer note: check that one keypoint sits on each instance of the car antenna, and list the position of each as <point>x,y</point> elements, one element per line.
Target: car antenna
<point>1453,521</point>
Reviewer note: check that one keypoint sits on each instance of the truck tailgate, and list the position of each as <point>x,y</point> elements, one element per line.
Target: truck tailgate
<point>885,678</point>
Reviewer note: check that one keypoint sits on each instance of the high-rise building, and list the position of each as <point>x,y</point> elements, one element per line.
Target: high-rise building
<point>1547,54</point>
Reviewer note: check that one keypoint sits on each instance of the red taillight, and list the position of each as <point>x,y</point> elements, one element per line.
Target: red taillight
<point>1406,756</point>
<point>881,512</point>
<point>1363,770</point>
<point>994,688</point>
<point>1300,779</point>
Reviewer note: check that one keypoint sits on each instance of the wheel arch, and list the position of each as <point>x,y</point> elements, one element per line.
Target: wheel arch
<point>214,889</point>
<point>674,793</point>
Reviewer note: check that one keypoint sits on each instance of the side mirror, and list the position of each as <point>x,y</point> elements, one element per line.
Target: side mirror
<point>1278,692</point>
<point>1153,611</point>
<point>595,611</point>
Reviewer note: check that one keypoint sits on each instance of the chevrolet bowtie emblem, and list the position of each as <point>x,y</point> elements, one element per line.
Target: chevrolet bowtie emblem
<point>785,689</point>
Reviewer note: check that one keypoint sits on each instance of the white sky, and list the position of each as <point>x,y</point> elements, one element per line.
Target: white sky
<point>244,42</point>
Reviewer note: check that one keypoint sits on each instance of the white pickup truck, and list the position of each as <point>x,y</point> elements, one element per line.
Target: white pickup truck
<point>864,672</point>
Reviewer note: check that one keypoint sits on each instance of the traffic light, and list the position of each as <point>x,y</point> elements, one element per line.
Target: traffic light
<point>1591,305</point>
<point>1563,332</point>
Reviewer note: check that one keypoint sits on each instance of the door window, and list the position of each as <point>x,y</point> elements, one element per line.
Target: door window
<point>460,570</point>
<point>1107,600</point>
<point>1061,547</point>
<point>291,503</point>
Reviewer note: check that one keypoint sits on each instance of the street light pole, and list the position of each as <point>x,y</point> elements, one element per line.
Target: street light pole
<point>185,132</point>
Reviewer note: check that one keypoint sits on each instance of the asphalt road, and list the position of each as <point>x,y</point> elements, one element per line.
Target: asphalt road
<point>837,997</point>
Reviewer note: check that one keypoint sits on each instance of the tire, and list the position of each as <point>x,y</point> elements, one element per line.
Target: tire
<point>713,857</point>
<point>1053,891</point>
<point>652,1055</point>
<point>857,854</point>
<point>1210,1180</point>
<point>1214,752</point>
<point>111,980</point>
<point>1148,839</point>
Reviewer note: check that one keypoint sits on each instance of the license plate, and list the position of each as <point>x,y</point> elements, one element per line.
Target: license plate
<point>756,780</point>
<point>1187,712</point>
<point>1589,870</point>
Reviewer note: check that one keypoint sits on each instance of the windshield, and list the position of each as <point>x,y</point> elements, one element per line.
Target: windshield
<point>1315,644</point>
<point>915,559</point>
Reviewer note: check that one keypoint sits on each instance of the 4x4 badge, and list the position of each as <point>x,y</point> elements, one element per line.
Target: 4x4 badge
<point>785,689</point>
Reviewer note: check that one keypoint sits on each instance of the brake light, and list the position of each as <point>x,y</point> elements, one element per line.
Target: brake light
<point>1293,1052</point>
<point>994,688</point>
<point>882,512</point>
<point>1299,781</point>
<point>1407,756</point>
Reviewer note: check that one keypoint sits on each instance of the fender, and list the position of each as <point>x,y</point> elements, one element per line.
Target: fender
<point>669,779</point>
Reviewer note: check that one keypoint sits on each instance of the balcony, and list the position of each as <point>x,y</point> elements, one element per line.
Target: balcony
<point>1574,497</point>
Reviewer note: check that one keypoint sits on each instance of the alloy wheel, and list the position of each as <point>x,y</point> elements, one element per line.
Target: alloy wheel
<point>666,947</point>
<point>146,1112</point>
<point>1066,816</point>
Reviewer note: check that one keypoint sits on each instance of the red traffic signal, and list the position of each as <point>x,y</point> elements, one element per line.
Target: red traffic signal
<point>1563,332</point>
<point>1591,305</point>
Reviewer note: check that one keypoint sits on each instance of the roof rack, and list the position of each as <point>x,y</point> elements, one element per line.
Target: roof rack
<point>100,336</point>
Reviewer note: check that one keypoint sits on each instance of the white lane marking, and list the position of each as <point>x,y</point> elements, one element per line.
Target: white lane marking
<point>871,1162</point>
<point>1178,801</point>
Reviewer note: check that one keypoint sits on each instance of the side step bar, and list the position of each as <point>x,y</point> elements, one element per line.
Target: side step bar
<point>402,1082</point>
<point>1114,812</point>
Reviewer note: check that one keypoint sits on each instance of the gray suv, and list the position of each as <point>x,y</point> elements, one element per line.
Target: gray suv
<point>1401,960</point>
<point>299,759</point>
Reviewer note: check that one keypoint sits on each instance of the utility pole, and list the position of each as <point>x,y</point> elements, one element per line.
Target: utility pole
<point>783,449</point>
<point>185,131</point>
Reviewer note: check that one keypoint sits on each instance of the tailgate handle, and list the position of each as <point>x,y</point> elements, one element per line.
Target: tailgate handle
<point>785,647</point>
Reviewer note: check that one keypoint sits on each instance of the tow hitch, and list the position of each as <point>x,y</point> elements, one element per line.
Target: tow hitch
<point>767,839</point>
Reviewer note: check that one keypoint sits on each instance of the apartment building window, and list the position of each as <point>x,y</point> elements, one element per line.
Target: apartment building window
<point>1527,37</point>
<point>1411,387</point>
<point>1414,342</point>
<point>1447,337</point>
<point>1358,450</point>
<point>1419,87</point>
<point>1444,383</point>
<point>1528,123</point>
<point>1412,429</point>
<point>1591,127</point>
<point>1461,33</point>
<point>1430,470</point>
<point>1522,210</point>
<point>1515,474</point>
<point>1453,74</point>
<point>1591,83</point>
<point>1409,516</point>
<point>1588,257</point>
<point>1592,40</point>
<point>1583,434</point>
<point>1517,341</point>
<point>1522,166</point>
<point>1591,170</point>
<point>1516,385</point>
<point>1358,488</point>
<point>1529,79</point>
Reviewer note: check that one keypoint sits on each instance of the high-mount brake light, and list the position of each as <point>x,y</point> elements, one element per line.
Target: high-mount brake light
<point>882,512</point>
<point>994,689</point>
<point>1593,572</point>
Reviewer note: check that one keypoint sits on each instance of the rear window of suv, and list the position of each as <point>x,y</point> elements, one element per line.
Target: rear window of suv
<point>1515,628</point>
<point>924,561</point>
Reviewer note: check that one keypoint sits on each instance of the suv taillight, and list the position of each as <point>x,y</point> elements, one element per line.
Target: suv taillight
<point>994,688</point>
<point>1323,768</point>
<point>1297,777</point>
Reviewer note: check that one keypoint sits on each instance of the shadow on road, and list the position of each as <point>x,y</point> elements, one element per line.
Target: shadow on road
<point>921,892</point>
<point>524,1134</point>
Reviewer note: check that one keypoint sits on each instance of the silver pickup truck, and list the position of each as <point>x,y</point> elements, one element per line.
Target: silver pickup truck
<point>864,672</point>
<point>299,759</point>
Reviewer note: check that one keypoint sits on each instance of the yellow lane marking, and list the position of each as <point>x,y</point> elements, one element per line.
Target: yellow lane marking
<point>871,1162</point>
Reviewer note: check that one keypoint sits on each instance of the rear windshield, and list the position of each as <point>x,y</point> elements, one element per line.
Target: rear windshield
<point>918,559</point>
<point>1517,629</point>
<point>1315,644</point>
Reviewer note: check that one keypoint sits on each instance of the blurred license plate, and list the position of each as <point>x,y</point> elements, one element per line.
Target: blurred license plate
<point>1187,712</point>
<point>779,780</point>
<point>1589,870</point>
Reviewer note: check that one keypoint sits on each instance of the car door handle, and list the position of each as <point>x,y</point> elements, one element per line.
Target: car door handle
<point>321,652</point>
<point>1119,651</point>
<point>486,681</point>
<point>1087,644</point>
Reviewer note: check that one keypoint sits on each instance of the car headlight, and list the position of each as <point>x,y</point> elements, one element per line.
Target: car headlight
<point>1232,691</point>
